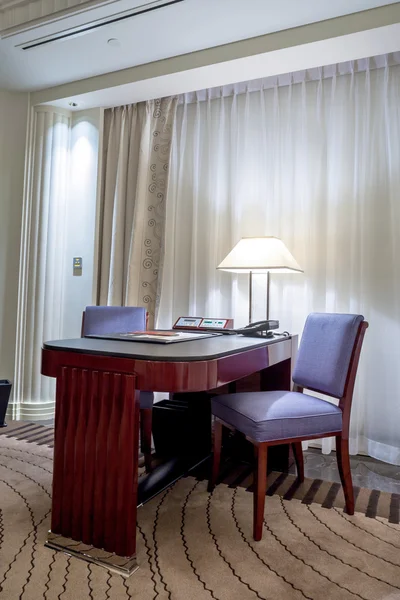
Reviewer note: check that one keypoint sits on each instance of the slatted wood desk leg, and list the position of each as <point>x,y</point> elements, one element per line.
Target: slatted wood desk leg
<point>96,468</point>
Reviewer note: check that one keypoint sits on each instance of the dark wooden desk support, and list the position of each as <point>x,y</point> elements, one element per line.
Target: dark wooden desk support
<point>95,459</point>
<point>95,480</point>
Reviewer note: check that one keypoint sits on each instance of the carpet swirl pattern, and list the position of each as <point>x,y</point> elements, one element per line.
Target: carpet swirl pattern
<point>193,545</point>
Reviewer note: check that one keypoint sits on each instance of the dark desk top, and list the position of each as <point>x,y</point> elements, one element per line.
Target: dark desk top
<point>196,350</point>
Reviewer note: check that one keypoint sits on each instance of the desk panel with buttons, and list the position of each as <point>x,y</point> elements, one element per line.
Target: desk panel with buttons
<point>203,324</point>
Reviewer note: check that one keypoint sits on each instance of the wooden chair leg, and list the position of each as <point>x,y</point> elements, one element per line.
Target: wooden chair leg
<point>217,444</point>
<point>146,419</point>
<point>343,460</point>
<point>298,456</point>
<point>260,488</point>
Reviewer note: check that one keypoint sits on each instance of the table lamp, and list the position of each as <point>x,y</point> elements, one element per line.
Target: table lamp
<point>259,255</point>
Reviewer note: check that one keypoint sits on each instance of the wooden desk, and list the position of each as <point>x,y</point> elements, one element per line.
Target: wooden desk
<point>95,479</point>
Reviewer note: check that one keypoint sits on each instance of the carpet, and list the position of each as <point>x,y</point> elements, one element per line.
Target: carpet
<point>329,494</point>
<point>193,545</point>
<point>30,432</point>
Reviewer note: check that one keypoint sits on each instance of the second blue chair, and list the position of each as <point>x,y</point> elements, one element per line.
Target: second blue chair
<point>327,363</point>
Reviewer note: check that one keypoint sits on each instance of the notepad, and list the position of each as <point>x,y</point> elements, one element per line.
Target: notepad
<point>161,337</point>
<point>155,332</point>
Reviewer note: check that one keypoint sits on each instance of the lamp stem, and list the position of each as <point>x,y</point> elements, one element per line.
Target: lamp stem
<point>250,295</point>
<point>267,295</point>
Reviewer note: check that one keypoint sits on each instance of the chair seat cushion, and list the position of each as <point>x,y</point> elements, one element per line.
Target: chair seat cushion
<point>280,415</point>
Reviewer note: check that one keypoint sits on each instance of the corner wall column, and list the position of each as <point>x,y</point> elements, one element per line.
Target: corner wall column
<point>40,290</point>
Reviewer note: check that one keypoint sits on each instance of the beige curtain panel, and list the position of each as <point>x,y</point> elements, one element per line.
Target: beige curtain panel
<point>137,144</point>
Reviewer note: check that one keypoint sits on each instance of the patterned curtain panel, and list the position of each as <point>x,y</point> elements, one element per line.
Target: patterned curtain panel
<point>137,144</point>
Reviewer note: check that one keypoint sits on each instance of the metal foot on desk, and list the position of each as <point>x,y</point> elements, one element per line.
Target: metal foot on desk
<point>121,565</point>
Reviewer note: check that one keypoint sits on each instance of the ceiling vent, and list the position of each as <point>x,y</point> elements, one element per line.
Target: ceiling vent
<point>94,25</point>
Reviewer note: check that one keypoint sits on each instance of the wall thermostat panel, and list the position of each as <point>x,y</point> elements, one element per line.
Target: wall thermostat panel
<point>203,323</point>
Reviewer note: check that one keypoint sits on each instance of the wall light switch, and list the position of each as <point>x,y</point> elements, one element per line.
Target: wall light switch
<point>77,266</point>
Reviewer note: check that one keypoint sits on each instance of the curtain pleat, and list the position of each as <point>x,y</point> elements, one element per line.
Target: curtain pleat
<point>41,287</point>
<point>137,143</point>
<point>316,163</point>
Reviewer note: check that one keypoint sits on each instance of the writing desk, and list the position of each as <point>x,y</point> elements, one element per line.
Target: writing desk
<point>95,477</point>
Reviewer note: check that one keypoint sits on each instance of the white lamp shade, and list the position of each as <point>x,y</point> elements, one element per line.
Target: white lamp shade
<point>260,254</point>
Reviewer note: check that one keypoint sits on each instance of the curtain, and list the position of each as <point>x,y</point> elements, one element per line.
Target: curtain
<point>137,141</point>
<point>316,163</point>
<point>40,295</point>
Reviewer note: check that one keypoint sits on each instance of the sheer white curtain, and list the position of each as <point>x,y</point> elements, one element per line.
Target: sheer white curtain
<point>316,163</point>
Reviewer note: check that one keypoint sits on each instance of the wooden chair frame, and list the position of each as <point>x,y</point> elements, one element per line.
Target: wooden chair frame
<point>261,448</point>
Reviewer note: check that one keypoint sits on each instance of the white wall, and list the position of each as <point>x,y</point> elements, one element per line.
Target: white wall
<point>80,222</point>
<point>350,37</point>
<point>63,201</point>
<point>13,123</point>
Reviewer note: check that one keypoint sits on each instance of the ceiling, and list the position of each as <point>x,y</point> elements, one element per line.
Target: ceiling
<point>177,29</point>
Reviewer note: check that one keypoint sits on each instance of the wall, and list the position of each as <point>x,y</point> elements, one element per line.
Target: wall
<point>350,37</point>
<point>13,124</point>
<point>61,197</point>
<point>80,224</point>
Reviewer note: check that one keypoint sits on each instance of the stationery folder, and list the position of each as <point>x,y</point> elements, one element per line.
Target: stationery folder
<point>158,337</point>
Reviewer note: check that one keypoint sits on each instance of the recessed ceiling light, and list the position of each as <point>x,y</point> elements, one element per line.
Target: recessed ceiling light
<point>113,42</point>
<point>72,104</point>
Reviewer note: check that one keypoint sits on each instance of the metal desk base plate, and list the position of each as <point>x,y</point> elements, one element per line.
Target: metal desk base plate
<point>116,564</point>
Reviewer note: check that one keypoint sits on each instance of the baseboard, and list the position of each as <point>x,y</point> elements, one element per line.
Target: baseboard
<point>31,411</point>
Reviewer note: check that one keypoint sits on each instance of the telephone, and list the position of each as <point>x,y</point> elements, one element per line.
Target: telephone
<point>260,328</point>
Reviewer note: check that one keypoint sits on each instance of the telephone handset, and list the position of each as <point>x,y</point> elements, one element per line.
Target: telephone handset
<point>260,328</point>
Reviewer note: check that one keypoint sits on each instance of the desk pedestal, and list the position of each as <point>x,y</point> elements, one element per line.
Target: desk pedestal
<point>95,466</point>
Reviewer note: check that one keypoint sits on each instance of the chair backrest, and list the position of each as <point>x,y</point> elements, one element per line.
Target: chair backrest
<point>327,353</point>
<point>113,319</point>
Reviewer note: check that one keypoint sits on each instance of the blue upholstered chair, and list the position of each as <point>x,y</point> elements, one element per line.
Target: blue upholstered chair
<point>327,363</point>
<point>120,319</point>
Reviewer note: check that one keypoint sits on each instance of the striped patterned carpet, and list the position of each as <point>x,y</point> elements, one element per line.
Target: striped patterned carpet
<point>370,502</point>
<point>29,432</point>
<point>195,545</point>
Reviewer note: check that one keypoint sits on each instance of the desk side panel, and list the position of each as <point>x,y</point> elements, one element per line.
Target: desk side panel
<point>96,459</point>
<point>155,376</point>
<point>160,376</point>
